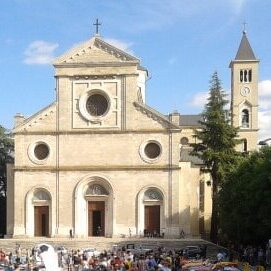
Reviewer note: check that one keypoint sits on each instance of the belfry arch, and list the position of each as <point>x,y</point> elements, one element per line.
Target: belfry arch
<point>93,207</point>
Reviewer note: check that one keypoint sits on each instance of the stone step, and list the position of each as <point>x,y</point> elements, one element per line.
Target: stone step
<point>102,243</point>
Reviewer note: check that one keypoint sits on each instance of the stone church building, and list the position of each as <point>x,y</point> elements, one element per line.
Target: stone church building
<point>100,161</point>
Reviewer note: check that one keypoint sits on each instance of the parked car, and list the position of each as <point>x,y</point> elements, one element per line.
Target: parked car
<point>133,248</point>
<point>92,252</point>
<point>194,251</point>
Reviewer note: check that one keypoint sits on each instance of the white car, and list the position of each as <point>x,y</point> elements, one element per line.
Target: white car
<point>92,252</point>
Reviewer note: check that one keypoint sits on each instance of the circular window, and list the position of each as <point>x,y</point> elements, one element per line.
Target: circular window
<point>184,141</point>
<point>152,150</point>
<point>97,105</point>
<point>94,105</point>
<point>41,151</point>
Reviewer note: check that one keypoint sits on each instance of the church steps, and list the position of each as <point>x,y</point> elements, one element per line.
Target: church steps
<point>102,243</point>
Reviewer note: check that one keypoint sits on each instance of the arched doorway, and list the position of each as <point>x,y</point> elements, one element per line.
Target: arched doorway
<point>96,197</point>
<point>41,202</point>
<point>151,212</point>
<point>93,207</point>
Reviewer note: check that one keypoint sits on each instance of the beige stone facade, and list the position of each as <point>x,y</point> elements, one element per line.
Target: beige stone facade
<point>100,161</point>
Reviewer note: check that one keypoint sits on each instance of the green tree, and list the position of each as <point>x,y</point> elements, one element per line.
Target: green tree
<point>6,149</point>
<point>215,144</point>
<point>244,200</point>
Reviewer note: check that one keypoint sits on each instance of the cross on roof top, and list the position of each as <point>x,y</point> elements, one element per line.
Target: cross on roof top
<point>97,26</point>
<point>244,29</point>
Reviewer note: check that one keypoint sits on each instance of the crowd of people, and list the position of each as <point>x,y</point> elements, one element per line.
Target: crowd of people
<point>125,259</point>
<point>260,255</point>
<point>117,259</point>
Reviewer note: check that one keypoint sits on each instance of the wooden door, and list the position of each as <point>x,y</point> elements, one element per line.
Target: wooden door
<point>41,214</point>
<point>152,220</point>
<point>96,218</point>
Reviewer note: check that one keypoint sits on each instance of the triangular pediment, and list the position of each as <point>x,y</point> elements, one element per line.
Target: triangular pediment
<point>245,103</point>
<point>42,120</point>
<point>95,51</point>
<point>155,115</point>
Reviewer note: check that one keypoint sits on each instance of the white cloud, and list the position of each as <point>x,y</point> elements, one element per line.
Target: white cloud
<point>154,14</point>
<point>39,52</point>
<point>122,45</point>
<point>264,115</point>
<point>265,88</point>
<point>199,99</point>
<point>264,124</point>
<point>237,5</point>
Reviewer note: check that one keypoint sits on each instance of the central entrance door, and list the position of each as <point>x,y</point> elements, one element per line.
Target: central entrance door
<point>41,214</point>
<point>152,220</point>
<point>96,217</point>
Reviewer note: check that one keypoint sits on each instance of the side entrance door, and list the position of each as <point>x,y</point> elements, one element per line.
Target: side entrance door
<point>41,214</point>
<point>152,220</point>
<point>96,218</point>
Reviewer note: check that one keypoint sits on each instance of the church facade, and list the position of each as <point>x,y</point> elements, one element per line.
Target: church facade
<point>100,162</point>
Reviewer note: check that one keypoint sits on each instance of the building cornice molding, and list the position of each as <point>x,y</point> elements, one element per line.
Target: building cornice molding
<point>36,118</point>
<point>69,58</point>
<point>243,61</point>
<point>95,64</point>
<point>97,168</point>
<point>156,116</point>
<point>96,131</point>
<point>246,130</point>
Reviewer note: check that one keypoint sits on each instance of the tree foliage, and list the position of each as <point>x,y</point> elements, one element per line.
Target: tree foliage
<point>244,200</point>
<point>215,144</point>
<point>6,149</point>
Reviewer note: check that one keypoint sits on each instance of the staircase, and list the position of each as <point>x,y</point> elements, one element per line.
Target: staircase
<point>102,243</point>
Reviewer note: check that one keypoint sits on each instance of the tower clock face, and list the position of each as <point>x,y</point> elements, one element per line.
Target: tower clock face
<point>245,91</point>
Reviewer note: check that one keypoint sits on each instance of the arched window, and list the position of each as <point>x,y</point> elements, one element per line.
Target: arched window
<point>153,194</point>
<point>245,119</point>
<point>246,76</point>
<point>241,76</point>
<point>244,145</point>
<point>96,190</point>
<point>41,195</point>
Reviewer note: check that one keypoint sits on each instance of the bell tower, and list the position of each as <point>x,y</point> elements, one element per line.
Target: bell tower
<point>244,95</point>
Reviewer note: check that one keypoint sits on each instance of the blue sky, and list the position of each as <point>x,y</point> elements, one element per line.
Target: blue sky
<point>181,42</point>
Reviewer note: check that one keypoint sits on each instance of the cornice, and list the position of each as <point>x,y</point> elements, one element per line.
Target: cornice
<point>246,130</point>
<point>155,115</point>
<point>106,47</point>
<point>243,61</point>
<point>97,168</point>
<point>87,131</point>
<point>36,118</point>
<point>94,64</point>
<point>70,58</point>
<point>76,77</point>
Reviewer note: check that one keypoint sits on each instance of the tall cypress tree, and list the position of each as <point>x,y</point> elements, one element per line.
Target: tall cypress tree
<point>6,149</point>
<point>215,144</point>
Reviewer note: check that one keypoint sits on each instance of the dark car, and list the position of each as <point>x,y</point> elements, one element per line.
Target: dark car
<point>195,251</point>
